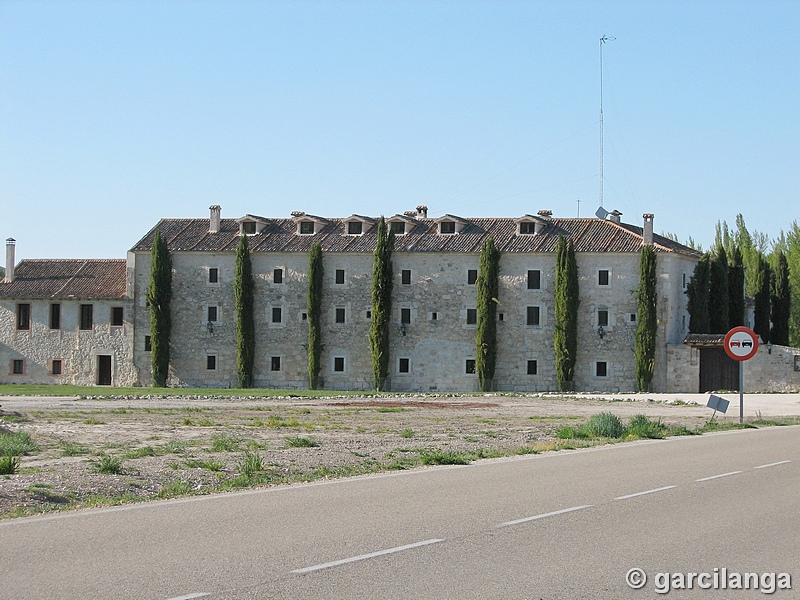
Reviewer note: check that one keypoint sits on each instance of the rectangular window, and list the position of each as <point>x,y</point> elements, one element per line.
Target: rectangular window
<point>117,316</point>
<point>277,276</point>
<point>602,317</point>
<point>632,317</point>
<point>55,316</point>
<point>249,227</point>
<point>532,316</point>
<point>601,368</point>
<point>306,227</point>
<point>340,315</point>
<point>533,367</point>
<point>277,314</point>
<point>275,363</point>
<point>304,317</point>
<point>23,317</point>
<point>339,276</point>
<point>603,277</point>
<point>469,367</point>
<point>148,343</point>
<point>405,276</point>
<point>213,275</point>
<point>398,227</point>
<point>211,362</point>
<point>447,227</point>
<point>338,364</point>
<point>17,366</point>
<point>534,279</point>
<point>472,276</point>
<point>434,316</point>
<point>404,365</point>
<point>355,227</point>
<point>405,316</point>
<point>212,314</point>
<point>56,367</point>
<point>368,314</point>
<point>500,317</point>
<point>87,319</point>
<point>527,228</point>
<point>472,316</point>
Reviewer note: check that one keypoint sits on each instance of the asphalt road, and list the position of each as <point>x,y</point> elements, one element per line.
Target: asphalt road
<point>568,525</point>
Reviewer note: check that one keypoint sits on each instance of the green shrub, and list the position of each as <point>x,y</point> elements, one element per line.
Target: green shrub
<point>18,443</point>
<point>9,465</point>
<point>605,424</point>
<point>250,464</point>
<point>572,433</point>
<point>107,464</point>
<point>643,427</point>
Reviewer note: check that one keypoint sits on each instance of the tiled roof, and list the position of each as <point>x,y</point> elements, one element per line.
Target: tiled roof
<point>422,235</point>
<point>67,280</point>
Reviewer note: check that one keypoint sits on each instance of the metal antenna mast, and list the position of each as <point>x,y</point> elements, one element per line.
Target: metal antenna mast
<point>603,40</point>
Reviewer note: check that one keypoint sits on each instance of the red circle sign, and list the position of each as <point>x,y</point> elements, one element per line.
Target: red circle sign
<point>741,343</point>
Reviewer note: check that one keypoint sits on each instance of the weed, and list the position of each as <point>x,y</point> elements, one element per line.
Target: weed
<point>93,421</point>
<point>142,452</point>
<point>18,443</point>
<point>208,465</point>
<point>606,425</point>
<point>249,464</point>
<point>225,442</point>
<point>572,433</point>
<point>301,442</point>
<point>9,465</point>
<point>107,464</point>
<point>73,449</point>
<point>390,409</point>
<point>407,433</point>
<point>439,457</point>
<point>174,489</point>
<point>643,427</point>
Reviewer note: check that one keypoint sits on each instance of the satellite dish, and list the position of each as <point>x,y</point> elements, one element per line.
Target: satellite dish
<point>601,213</point>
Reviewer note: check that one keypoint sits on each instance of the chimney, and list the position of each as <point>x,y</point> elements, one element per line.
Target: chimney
<point>10,260</point>
<point>647,231</point>
<point>545,214</point>
<point>216,218</point>
<point>614,216</point>
<point>422,211</point>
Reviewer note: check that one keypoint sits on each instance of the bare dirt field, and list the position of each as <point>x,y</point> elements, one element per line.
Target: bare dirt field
<point>88,452</point>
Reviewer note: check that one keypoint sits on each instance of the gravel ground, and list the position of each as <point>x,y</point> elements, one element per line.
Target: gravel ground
<point>171,446</point>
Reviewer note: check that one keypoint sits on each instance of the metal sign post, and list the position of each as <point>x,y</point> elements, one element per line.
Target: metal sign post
<point>741,344</point>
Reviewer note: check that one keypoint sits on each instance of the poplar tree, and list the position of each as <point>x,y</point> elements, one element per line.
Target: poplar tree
<point>646,322</point>
<point>159,295</point>
<point>762,300</point>
<point>736,305</point>
<point>565,337</point>
<point>486,330</point>
<point>243,291</point>
<point>719,295</point>
<point>697,291</point>
<point>780,301</point>
<point>315,273</point>
<point>381,306</point>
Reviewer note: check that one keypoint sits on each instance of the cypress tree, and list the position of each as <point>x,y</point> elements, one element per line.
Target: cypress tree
<point>718,294</point>
<point>486,330</point>
<point>697,290</point>
<point>315,273</point>
<point>762,299</point>
<point>736,305</point>
<point>243,291</point>
<point>646,324</point>
<point>780,301</point>
<point>565,337</point>
<point>159,295</point>
<point>381,306</point>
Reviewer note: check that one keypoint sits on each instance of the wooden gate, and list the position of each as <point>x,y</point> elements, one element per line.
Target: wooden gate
<point>718,371</point>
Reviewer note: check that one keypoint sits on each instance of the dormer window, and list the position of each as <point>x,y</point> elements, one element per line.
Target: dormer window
<point>527,228</point>
<point>251,224</point>
<point>531,225</point>
<point>306,227</point>
<point>355,228</point>
<point>398,227</point>
<point>447,227</point>
<point>249,227</point>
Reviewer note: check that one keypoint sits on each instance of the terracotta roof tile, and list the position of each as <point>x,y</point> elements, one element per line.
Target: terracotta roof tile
<point>67,279</point>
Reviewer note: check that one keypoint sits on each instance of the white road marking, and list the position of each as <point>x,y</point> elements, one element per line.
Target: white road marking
<point>544,515</point>
<point>718,476</point>
<point>344,561</point>
<point>191,596</point>
<point>775,464</point>
<point>661,489</point>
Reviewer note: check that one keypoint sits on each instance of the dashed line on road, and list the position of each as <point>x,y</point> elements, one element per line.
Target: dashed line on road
<point>345,561</point>
<point>718,476</point>
<point>544,515</point>
<point>661,489</point>
<point>775,464</point>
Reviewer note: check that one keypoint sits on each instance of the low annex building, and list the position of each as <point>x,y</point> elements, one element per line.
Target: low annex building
<point>435,264</point>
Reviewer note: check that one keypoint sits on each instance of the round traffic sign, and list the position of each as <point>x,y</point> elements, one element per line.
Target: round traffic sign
<point>741,343</point>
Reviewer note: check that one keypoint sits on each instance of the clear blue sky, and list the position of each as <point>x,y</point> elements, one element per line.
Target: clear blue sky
<point>116,114</point>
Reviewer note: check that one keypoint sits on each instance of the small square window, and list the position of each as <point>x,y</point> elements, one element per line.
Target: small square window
<point>533,367</point>
<point>338,364</point>
<point>405,316</point>
<point>211,362</point>
<point>469,367</point>
<point>398,227</point>
<point>601,368</point>
<point>355,228</point>
<point>603,277</point>
<point>472,316</point>
<point>56,367</point>
<point>340,314</point>
<point>275,363</point>
<point>17,366</point>
<point>472,276</point>
<point>117,316</point>
<point>212,314</point>
<point>527,228</point>
<point>249,227</point>
<point>23,317</point>
<point>306,227</point>
<point>534,279</point>
<point>55,316</point>
<point>87,311</point>
<point>405,276</point>
<point>602,317</point>
<point>532,316</point>
<point>277,276</point>
<point>339,276</point>
<point>447,227</point>
<point>277,314</point>
<point>213,275</point>
<point>148,343</point>
<point>404,365</point>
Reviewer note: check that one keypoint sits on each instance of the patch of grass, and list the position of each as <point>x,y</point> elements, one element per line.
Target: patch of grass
<point>279,421</point>
<point>301,442</point>
<point>642,427</point>
<point>439,457</point>
<point>390,409</point>
<point>568,432</point>
<point>407,433</point>
<point>250,464</point>
<point>724,426</point>
<point>17,443</point>
<point>606,425</point>
<point>44,493</point>
<point>93,421</point>
<point>142,452</point>
<point>99,500</point>
<point>9,465</point>
<point>175,489</point>
<point>225,442</point>
<point>107,464</point>
<point>14,417</point>
<point>209,465</point>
